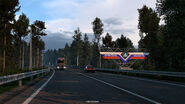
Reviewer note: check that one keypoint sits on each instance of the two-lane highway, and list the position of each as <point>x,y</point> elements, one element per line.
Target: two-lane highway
<point>77,87</point>
<point>71,87</point>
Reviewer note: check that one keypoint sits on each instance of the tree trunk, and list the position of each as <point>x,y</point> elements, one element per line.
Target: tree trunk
<point>100,61</point>
<point>20,54</point>
<point>30,64</point>
<point>4,52</point>
<point>41,60</point>
<point>77,60</point>
<point>37,57</point>
<point>33,61</point>
<point>23,56</point>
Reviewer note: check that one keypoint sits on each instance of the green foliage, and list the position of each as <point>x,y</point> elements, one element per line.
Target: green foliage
<point>20,30</point>
<point>8,8</point>
<point>97,29</point>
<point>124,42</point>
<point>173,12</point>
<point>149,25</point>
<point>148,20</point>
<point>77,46</point>
<point>107,41</point>
<point>66,52</point>
<point>21,26</point>
<point>15,30</point>
<point>86,50</point>
<point>38,28</point>
<point>95,55</point>
<point>166,42</point>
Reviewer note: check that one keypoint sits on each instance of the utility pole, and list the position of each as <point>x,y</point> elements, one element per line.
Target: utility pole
<point>30,64</point>
<point>4,51</point>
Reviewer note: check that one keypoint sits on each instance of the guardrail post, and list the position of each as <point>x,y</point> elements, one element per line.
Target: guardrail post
<point>42,74</point>
<point>38,75</point>
<point>31,78</point>
<point>20,83</point>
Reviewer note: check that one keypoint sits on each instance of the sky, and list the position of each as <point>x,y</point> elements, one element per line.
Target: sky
<point>62,17</point>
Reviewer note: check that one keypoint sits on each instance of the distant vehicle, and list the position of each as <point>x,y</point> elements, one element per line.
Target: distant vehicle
<point>61,63</point>
<point>89,68</point>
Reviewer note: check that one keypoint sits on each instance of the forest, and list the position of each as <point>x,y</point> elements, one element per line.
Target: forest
<point>165,42</point>
<point>15,37</point>
<point>22,46</point>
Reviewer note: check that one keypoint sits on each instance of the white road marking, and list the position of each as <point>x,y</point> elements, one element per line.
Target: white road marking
<point>92,101</point>
<point>155,81</point>
<point>28,100</point>
<point>132,93</point>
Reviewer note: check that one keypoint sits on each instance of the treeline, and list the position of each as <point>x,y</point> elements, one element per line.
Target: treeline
<point>166,43</point>
<point>83,51</point>
<point>14,49</point>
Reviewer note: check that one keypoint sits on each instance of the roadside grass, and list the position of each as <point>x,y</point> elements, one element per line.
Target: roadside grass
<point>158,77</point>
<point>7,87</point>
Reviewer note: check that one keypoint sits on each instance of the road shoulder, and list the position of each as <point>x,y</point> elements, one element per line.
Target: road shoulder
<point>19,94</point>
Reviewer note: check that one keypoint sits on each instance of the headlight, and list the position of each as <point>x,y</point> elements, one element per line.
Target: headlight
<point>58,67</point>
<point>64,67</point>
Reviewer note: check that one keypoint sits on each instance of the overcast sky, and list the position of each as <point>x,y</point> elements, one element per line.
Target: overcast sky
<point>62,17</point>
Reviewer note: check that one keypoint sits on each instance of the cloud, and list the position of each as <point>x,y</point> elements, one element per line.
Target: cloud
<point>119,16</point>
<point>58,25</point>
<point>56,40</point>
<point>113,21</point>
<point>17,17</point>
<point>59,39</point>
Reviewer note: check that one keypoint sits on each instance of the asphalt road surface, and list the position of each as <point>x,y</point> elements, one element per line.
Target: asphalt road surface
<point>77,87</point>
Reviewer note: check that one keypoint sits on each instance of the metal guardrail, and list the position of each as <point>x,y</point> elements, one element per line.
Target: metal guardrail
<point>15,77</point>
<point>159,73</point>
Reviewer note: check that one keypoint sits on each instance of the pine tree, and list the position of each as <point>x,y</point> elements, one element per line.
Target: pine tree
<point>124,42</point>
<point>77,42</point>
<point>107,41</point>
<point>173,12</point>
<point>149,28</point>
<point>8,8</point>
<point>21,30</point>
<point>97,29</point>
<point>86,50</point>
<point>38,28</point>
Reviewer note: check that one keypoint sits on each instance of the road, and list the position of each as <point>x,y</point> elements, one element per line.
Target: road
<point>77,87</point>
